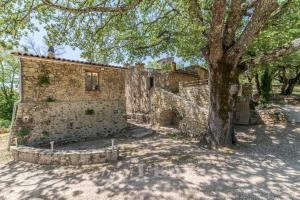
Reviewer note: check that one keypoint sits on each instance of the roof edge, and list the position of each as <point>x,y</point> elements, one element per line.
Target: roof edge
<point>28,55</point>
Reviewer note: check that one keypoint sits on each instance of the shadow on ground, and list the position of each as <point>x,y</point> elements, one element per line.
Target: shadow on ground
<point>265,166</point>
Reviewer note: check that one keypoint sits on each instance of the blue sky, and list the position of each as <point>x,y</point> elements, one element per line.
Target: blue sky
<point>37,37</point>
<point>70,53</point>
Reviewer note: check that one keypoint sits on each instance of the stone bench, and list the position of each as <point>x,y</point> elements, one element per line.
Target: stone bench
<point>63,157</point>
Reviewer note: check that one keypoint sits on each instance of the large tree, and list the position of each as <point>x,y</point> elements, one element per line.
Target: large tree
<point>217,31</point>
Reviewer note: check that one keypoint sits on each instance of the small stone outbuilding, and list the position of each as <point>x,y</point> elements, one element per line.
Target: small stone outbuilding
<point>65,101</point>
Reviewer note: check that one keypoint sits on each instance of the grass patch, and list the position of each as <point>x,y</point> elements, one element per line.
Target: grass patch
<point>45,133</point>
<point>89,112</point>
<point>50,99</point>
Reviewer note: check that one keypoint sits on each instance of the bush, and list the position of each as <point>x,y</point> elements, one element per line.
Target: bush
<point>22,135</point>
<point>23,132</point>
<point>4,123</point>
<point>6,106</point>
<point>266,83</point>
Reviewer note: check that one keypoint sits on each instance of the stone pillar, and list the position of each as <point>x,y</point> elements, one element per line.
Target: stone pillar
<point>246,91</point>
<point>173,65</point>
<point>242,114</point>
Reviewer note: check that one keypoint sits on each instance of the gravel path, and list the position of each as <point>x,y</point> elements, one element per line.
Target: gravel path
<point>293,113</point>
<point>266,165</point>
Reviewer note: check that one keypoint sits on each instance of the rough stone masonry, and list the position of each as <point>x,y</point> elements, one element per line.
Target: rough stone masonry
<point>67,101</point>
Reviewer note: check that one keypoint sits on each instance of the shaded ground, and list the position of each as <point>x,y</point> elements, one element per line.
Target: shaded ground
<point>266,165</point>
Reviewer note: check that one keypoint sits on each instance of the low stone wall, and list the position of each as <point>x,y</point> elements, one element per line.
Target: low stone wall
<point>191,119</point>
<point>268,116</point>
<point>63,157</point>
<point>39,123</point>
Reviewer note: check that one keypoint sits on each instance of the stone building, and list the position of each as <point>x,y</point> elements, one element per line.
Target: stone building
<point>64,101</point>
<point>201,71</point>
<point>177,98</point>
<point>140,83</point>
<point>166,61</point>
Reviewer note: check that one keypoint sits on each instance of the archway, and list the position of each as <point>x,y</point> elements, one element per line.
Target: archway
<point>170,118</point>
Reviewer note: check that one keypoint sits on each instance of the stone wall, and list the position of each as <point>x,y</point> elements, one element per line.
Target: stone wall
<point>63,157</point>
<point>195,92</point>
<point>67,81</point>
<point>188,117</point>
<point>69,121</point>
<point>73,114</point>
<point>138,89</point>
<point>268,116</point>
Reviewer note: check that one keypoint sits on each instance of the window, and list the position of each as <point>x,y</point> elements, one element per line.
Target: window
<point>91,81</point>
<point>151,82</point>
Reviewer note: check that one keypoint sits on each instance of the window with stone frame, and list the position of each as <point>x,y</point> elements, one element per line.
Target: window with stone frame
<point>91,81</point>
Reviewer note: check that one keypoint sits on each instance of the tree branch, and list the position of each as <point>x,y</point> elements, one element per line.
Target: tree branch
<point>283,9</point>
<point>233,21</point>
<point>103,9</point>
<point>263,11</point>
<point>216,31</point>
<point>273,55</point>
<point>194,11</point>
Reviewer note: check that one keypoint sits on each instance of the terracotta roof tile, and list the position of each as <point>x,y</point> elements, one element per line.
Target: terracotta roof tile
<point>22,54</point>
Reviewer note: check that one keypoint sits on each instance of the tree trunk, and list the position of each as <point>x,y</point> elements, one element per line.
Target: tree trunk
<point>284,86</point>
<point>257,84</point>
<point>223,95</point>
<point>290,85</point>
<point>284,81</point>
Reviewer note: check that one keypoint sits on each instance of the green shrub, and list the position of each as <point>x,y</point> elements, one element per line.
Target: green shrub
<point>23,132</point>
<point>44,80</point>
<point>22,135</point>
<point>4,123</point>
<point>266,83</point>
<point>89,112</point>
<point>6,106</point>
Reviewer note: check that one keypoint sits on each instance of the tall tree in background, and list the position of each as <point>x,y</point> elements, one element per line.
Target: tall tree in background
<point>218,31</point>
<point>9,73</point>
<point>266,85</point>
<point>288,73</point>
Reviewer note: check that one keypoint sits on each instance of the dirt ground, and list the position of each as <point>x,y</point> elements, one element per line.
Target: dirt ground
<point>265,165</point>
<point>4,154</point>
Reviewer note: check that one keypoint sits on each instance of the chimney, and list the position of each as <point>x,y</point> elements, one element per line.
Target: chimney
<point>51,52</point>
<point>173,65</point>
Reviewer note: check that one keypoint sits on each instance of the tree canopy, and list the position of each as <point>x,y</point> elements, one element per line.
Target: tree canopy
<point>133,29</point>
